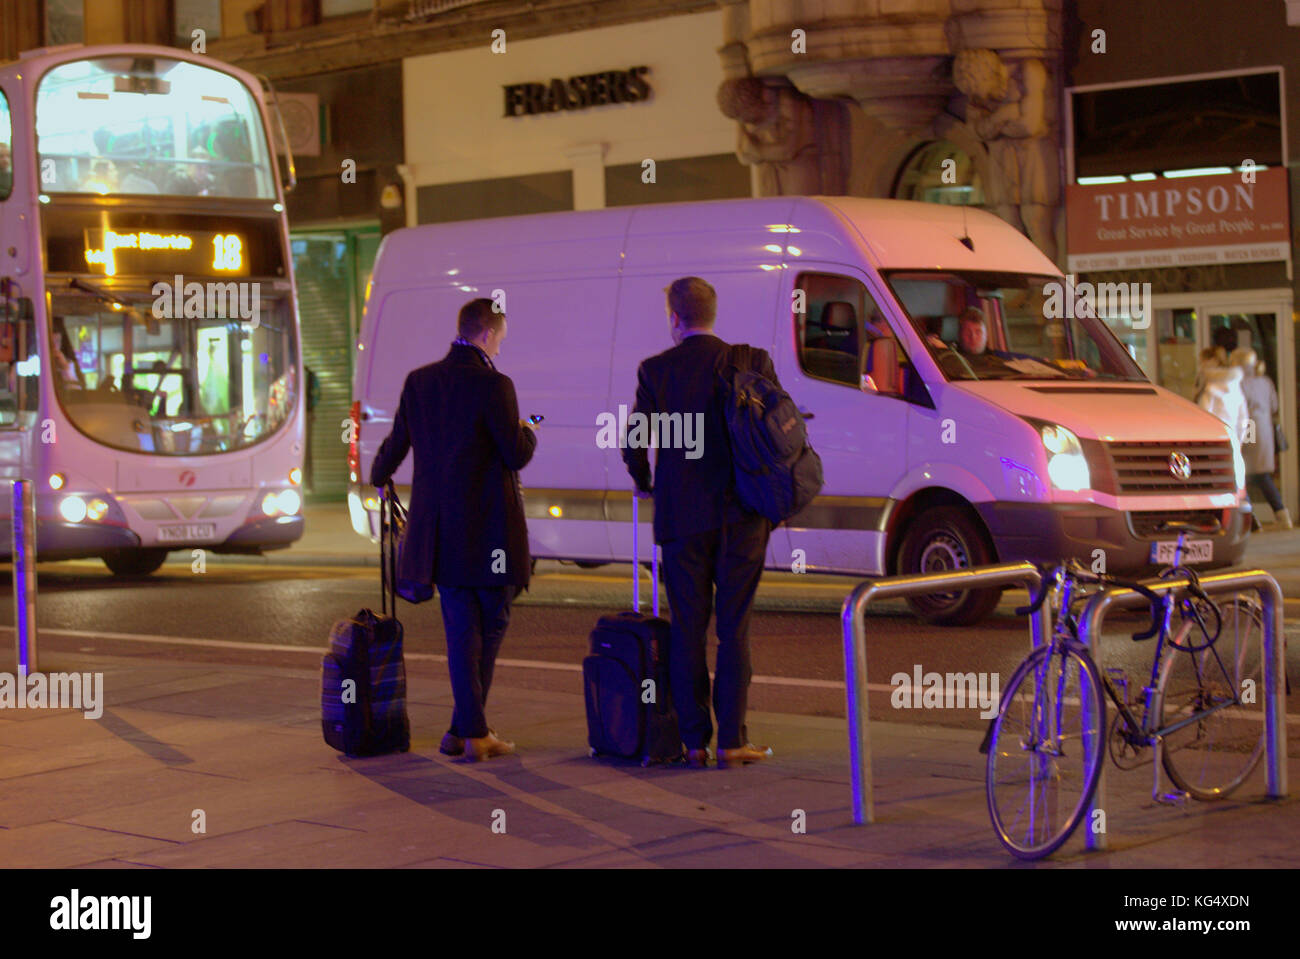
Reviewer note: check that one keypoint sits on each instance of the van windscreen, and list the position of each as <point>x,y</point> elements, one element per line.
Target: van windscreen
<point>1012,326</point>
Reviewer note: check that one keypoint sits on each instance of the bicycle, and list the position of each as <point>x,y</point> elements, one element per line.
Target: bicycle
<point>1201,715</point>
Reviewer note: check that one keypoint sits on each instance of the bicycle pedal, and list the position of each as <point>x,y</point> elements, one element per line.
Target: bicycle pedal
<point>1174,799</point>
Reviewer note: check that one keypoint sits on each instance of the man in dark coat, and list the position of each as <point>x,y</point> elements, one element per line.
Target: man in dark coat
<point>466,532</point>
<point>708,539</point>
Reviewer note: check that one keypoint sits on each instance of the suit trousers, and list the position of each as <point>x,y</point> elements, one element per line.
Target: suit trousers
<point>475,620</point>
<point>729,558</point>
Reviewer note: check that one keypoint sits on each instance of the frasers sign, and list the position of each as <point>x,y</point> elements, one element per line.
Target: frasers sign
<point>1218,218</point>
<point>578,93</point>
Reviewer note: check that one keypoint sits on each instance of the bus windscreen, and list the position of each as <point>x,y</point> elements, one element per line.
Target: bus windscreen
<point>150,126</point>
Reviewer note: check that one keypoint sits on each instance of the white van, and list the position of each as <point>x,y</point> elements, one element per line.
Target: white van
<point>1049,444</point>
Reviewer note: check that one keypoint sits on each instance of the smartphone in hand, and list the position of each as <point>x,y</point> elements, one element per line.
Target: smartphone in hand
<point>536,418</point>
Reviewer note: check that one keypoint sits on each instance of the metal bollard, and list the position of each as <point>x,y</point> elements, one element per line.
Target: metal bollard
<point>23,507</point>
<point>853,624</point>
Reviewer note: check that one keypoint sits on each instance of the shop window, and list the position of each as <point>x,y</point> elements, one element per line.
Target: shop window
<point>6,149</point>
<point>191,15</point>
<point>340,8</point>
<point>718,177</point>
<point>65,22</point>
<point>940,172</point>
<point>505,196</point>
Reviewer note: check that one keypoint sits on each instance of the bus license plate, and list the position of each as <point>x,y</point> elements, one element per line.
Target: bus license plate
<point>186,532</point>
<point>1194,551</point>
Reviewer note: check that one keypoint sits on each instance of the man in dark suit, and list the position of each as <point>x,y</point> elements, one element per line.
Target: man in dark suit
<point>466,532</point>
<point>708,539</point>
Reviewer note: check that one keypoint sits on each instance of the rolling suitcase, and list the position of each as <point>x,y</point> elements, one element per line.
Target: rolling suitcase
<point>630,710</point>
<point>363,676</point>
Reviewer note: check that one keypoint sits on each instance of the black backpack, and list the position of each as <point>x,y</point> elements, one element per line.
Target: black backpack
<point>777,472</point>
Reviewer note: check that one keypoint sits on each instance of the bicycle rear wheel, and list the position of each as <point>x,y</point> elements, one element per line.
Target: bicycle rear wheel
<point>1211,757</point>
<point>1043,759</point>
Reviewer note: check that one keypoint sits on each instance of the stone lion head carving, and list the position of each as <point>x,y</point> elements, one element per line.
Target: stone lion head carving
<point>980,74</point>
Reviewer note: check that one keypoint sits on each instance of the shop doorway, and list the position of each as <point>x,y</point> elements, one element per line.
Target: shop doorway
<point>332,268</point>
<point>1168,348</point>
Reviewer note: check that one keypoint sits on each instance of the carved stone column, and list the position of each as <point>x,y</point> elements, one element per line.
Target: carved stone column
<point>869,81</point>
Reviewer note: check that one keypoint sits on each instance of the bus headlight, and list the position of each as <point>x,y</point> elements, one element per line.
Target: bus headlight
<point>96,509</point>
<point>295,476</point>
<point>289,502</point>
<point>73,509</point>
<point>57,480</point>
<point>284,503</point>
<point>1066,465</point>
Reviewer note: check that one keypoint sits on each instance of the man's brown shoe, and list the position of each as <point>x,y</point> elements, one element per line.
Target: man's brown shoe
<point>748,753</point>
<point>698,758</point>
<point>453,745</point>
<point>487,747</point>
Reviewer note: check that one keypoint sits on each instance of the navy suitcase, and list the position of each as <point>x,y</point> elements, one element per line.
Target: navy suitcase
<point>630,711</point>
<point>368,716</point>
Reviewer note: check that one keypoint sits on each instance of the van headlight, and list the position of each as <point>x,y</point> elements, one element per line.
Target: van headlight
<point>1066,465</point>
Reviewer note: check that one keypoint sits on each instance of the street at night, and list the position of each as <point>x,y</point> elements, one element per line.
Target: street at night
<point>694,438</point>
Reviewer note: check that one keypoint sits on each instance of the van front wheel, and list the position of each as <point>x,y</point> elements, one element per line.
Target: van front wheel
<point>942,539</point>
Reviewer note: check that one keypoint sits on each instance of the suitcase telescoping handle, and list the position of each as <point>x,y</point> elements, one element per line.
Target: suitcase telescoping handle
<point>636,562</point>
<point>388,550</point>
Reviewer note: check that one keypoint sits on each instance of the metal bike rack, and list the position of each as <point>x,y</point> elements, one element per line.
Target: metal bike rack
<point>23,519</point>
<point>1270,595</point>
<point>852,614</point>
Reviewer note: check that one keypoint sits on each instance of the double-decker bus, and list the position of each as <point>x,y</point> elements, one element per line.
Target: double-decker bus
<point>150,371</point>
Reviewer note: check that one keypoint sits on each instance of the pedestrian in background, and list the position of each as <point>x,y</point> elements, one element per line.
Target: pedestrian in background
<point>708,539</point>
<point>466,533</point>
<point>1262,409</point>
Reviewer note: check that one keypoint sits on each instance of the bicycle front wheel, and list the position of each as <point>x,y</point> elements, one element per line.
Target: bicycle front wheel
<point>1046,750</point>
<point>1212,755</point>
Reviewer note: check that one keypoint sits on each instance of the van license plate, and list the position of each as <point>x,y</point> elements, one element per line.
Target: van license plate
<point>1194,551</point>
<point>186,532</point>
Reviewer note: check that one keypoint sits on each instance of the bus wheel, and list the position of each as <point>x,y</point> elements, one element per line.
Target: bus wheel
<point>134,562</point>
<point>942,539</point>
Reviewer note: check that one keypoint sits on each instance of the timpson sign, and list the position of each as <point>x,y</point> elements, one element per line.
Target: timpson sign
<point>577,93</point>
<point>1188,221</point>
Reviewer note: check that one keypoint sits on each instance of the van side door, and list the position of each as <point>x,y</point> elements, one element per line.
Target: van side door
<point>848,372</point>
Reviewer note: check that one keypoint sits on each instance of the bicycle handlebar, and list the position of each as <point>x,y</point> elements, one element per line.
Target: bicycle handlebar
<point>1079,574</point>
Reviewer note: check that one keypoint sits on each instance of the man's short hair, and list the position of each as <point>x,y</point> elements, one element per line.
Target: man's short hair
<point>1226,337</point>
<point>972,314</point>
<point>694,302</point>
<point>476,317</point>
